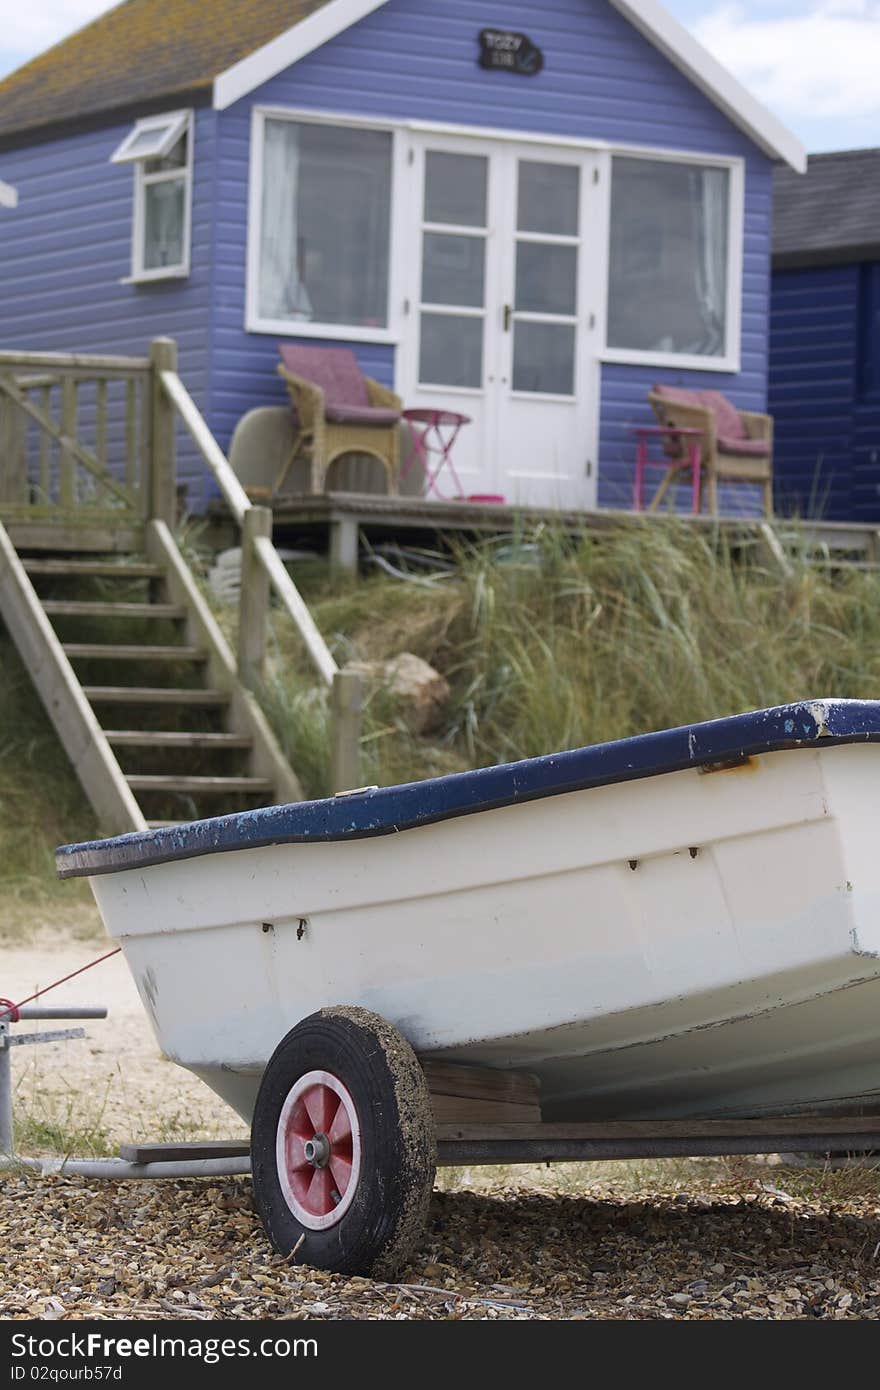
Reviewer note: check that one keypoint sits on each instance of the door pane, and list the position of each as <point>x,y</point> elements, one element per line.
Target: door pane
<point>455,188</point>
<point>548,198</point>
<point>453,269</point>
<point>546,278</point>
<point>543,358</point>
<point>451,351</point>
<point>668,269</point>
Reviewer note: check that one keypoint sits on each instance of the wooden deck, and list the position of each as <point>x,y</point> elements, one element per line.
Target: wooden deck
<point>341,519</point>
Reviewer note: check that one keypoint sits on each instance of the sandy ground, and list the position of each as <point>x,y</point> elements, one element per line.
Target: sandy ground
<point>114,1082</point>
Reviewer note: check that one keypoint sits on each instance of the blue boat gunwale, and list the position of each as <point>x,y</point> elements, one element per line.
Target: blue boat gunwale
<point>410,805</point>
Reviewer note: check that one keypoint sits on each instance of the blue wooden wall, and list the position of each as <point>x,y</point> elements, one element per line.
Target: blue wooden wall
<point>414,59</point>
<point>827,441</point>
<point>66,249</point>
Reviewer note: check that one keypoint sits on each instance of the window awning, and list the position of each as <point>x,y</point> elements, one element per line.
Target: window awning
<point>152,137</point>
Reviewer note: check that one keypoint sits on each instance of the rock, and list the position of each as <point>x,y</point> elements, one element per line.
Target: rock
<point>422,692</point>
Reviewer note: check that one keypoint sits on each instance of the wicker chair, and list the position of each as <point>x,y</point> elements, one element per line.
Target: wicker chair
<point>338,411</point>
<point>737,445</point>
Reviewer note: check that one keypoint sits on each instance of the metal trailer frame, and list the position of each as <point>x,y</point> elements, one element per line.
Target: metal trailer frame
<point>471,1144</point>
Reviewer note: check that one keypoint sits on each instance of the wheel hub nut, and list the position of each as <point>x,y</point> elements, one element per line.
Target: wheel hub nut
<point>317,1150</point>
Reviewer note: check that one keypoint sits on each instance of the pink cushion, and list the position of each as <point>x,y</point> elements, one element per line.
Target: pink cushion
<point>727,421</point>
<point>743,448</point>
<point>727,418</point>
<point>335,370</point>
<point>379,415</point>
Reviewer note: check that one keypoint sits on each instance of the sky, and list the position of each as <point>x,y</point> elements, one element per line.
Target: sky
<point>813,63</point>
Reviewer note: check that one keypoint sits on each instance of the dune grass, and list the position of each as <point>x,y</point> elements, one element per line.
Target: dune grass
<point>551,642</point>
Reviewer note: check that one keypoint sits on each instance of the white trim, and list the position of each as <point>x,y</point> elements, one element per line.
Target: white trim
<point>647,16</point>
<point>669,361</point>
<point>713,80</point>
<point>285,50</point>
<point>8,195</point>
<point>183,125</point>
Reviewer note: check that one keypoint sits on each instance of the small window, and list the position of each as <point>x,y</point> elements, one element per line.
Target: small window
<point>8,195</point>
<point>160,149</point>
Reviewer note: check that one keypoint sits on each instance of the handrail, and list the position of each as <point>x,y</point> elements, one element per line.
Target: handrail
<point>73,361</point>
<point>234,494</point>
<point>292,599</point>
<point>240,504</point>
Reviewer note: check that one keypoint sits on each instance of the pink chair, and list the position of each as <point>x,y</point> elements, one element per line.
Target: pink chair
<point>737,445</point>
<point>338,411</point>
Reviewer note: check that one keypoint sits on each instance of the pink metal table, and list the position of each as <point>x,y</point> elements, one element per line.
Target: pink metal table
<point>433,433</point>
<point>692,440</point>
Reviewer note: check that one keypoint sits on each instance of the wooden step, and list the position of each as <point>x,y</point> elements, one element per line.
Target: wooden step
<point>147,738</point>
<point>152,695</point>
<point>97,569</point>
<point>96,651</point>
<point>69,608</point>
<point>216,785</point>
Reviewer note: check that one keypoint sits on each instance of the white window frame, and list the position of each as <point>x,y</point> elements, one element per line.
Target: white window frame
<point>8,195</point>
<point>405,233</point>
<point>340,332</point>
<point>178,123</point>
<point>731,360</point>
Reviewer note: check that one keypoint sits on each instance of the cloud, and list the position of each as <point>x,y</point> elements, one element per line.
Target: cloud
<point>822,62</point>
<point>26,29</point>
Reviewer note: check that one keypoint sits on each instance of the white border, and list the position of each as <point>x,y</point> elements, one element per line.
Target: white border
<point>140,276</point>
<point>402,228</point>
<point>8,195</point>
<point>647,16</point>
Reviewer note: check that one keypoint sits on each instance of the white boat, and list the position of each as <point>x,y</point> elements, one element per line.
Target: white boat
<point>677,928</point>
<point>681,924</point>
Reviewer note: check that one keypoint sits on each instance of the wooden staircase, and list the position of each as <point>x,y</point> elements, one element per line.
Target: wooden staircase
<point>141,685</point>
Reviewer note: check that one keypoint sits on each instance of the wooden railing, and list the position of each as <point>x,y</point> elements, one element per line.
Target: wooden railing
<point>76,440</point>
<point>262,572</point>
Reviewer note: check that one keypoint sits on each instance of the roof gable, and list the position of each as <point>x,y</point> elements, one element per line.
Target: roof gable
<point>647,16</point>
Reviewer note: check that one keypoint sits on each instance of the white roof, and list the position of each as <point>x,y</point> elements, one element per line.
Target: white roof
<point>8,195</point>
<point>648,16</point>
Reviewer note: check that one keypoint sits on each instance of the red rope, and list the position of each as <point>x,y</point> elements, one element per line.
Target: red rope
<point>13,1009</point>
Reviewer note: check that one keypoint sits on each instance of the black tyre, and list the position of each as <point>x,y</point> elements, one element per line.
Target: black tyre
<point>343,1148</point>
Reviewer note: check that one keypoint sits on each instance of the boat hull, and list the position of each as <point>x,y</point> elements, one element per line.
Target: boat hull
<point>705,942</point>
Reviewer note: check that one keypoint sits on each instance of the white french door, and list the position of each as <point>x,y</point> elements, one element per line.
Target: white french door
<point>502,313</point>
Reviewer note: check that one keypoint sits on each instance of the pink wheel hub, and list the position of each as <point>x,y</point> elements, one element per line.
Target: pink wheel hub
<point>318,1150</point>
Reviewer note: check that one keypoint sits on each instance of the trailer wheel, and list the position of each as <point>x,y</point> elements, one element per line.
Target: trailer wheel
<point>343,1149</point>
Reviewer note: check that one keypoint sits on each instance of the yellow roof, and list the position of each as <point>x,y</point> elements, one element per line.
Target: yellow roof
<point>142,52</point>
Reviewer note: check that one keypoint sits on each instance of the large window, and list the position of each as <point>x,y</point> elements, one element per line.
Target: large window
<point>160,150</point>
<point>669,262</point>
<point>324,225</point>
